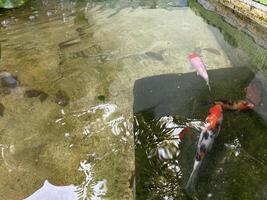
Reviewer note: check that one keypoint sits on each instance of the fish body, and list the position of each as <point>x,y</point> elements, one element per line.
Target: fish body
<point>199,65</point>
<point>208,134</point>
<point>239,105</point>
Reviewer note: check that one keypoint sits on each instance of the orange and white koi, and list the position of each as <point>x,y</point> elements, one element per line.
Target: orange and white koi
<point>209,132</point>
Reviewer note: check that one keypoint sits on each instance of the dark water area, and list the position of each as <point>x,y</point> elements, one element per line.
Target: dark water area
<point>236,166</point>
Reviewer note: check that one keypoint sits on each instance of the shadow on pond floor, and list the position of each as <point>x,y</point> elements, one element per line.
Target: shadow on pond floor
<point>236,167</point>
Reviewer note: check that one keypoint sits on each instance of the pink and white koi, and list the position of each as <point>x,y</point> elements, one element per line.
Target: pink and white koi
<point>199,65</point>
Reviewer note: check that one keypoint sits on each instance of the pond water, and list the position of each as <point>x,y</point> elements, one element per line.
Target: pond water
<point>70,118</point>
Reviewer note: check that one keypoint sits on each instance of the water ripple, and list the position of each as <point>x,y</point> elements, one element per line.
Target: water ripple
<point>90,189</point>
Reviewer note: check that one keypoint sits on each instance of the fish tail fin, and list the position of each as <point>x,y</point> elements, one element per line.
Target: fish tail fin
<point>191,183</point>
<point>208,84</point>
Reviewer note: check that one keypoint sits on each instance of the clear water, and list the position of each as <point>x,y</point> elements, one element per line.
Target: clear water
<point>94,52</point>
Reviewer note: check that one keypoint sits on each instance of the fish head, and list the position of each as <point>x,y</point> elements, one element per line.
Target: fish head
<point>216,109</point>
<point>192,55</point>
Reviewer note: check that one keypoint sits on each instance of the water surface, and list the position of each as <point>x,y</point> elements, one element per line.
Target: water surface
<point>86,56</point>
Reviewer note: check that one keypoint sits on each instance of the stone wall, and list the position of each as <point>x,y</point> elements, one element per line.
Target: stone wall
<point>248,8</point>
<point>243,15</point>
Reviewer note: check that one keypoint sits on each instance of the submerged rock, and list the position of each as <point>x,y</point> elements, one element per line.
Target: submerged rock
<point>43,96</point>
<point>2,109</point>
<point>101,97</point>
<point>7,82</point>
<point>62,98</point>
<point>36,93</point>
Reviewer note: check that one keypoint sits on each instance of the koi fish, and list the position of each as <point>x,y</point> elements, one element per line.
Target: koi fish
<point>199,65</point>
<point>239,105</point>
<point>209,132</point>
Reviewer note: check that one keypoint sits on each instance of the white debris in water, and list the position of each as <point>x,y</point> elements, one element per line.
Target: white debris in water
<point>58,120</point>
<point>237,153</point>
<point>127,133</point>
<point>49,13</point>
<point>12,149</point>
<point>209,195</point>
<point>5,23</point>
<point>64,17</point>
<point>67,134</point>
<point>31,17</point>
<point>167,198</point>
<point>62,111</point>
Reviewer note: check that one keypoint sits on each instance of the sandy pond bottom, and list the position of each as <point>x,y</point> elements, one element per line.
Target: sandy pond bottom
<point>94,54</point>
